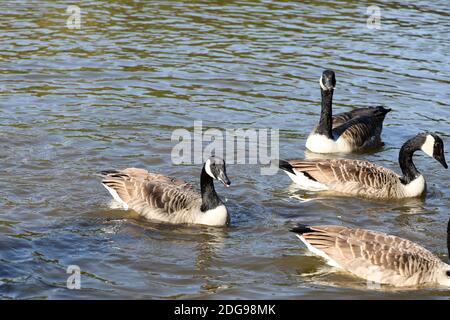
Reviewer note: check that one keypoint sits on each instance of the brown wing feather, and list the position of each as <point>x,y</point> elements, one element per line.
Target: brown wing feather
<point>349,176</point>
<point>144,175</point>
<point>360,127</point>
<point>345,170</point>
<point>360,132</point>
<point>167,197</point>
<point>143,190</point>
<point>343,117</point>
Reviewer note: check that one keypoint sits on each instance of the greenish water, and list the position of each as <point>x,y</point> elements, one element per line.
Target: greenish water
<point>109,95</point>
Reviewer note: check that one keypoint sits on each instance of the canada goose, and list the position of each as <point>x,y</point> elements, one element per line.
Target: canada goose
<point>351,131</point>
<point>162,198</point>
<point>363,178</point>
<point>376,256</point>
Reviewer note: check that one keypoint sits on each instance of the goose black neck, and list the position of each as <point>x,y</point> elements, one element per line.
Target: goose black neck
<point>409,170</point>
<point>448,239</point>
<point>210,199</point>
<point>325,123</point>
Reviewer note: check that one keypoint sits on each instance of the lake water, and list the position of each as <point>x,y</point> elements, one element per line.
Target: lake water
<point>109,95</point>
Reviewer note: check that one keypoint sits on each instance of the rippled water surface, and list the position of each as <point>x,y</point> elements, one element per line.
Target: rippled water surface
<point>109,95</point>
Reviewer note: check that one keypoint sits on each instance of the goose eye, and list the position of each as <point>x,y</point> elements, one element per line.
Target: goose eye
<point>448,273</point>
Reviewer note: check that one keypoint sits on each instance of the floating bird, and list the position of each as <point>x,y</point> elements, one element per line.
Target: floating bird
<point>351,131</point>
<point>376,256</point>
<point>365,179</point>
<point>158,197</point>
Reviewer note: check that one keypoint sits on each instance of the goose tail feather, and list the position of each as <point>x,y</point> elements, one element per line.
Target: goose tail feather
<point>301,229</point>
<point>286,166</point>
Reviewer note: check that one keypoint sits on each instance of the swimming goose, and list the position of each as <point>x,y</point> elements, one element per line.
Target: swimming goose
<point>157,197</point>
<point>365,179</point>
<point>351,131</point>
<point>376,256</point>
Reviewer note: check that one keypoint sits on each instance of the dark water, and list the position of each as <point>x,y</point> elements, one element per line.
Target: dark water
<point>109,95</point>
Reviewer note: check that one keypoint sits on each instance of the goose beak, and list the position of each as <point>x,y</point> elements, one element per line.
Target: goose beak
<point>224,179</point>
<point>328,84</point>
<point>439,156</point>
<point>441,159</point>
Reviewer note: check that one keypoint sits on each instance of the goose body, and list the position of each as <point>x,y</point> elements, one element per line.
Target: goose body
<point>345,132</point>
<point>375,256</point>
<point>365,179</point>
<point>353,177</point>
<point>158,197</point>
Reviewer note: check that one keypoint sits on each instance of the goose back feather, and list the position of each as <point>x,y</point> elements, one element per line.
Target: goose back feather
<point>362,131</point>
<point>375,112</point>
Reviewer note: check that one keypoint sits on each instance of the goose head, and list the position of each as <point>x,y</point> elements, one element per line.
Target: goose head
<point>433,146</point>
<point>215,168</point>
<point>327,80</point>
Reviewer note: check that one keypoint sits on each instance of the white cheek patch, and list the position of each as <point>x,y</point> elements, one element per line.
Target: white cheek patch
<point>428,146</point>
<point>321,84</point>
<point>208,169</point>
